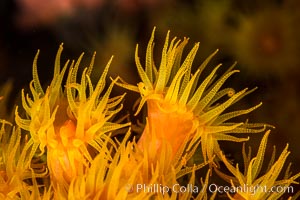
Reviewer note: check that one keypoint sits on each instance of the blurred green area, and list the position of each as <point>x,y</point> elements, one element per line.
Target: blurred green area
<point>263,36</point>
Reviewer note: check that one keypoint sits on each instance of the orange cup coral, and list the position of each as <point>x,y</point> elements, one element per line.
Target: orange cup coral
<point>65,147</point>
<point>181,113</point>
<point>69,121</point>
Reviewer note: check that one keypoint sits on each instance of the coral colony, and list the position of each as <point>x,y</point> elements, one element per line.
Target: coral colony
<point>68,140</point>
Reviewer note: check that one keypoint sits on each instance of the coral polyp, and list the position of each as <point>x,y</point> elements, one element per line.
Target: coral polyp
<point>68,121</point>
<point>181,112</point>
<point>252,177</point>
<point>14,171</point>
